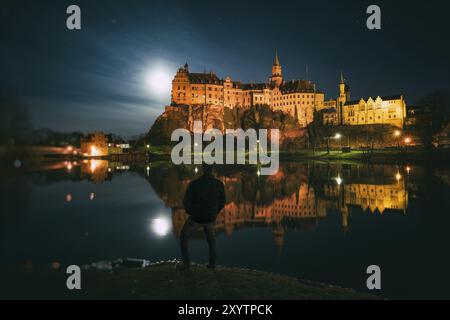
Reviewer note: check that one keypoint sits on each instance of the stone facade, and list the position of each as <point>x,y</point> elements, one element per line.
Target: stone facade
<point>390,110</point>
<point>296,97</point>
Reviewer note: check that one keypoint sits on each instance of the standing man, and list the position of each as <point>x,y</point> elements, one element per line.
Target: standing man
<point>204,199</point>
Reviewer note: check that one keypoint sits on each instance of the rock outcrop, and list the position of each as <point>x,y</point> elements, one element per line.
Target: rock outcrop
<point>222,118</point>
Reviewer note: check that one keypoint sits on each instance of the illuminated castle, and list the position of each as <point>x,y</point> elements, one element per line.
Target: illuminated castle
<point>379,110</point>
<point>296,97</point>
<point>299,98</point>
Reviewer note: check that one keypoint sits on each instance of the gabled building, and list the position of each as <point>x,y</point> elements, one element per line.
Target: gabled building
<point>389,110</point>
<point>296,97</point>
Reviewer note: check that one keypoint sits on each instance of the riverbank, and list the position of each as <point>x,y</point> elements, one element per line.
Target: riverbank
<point>416,156</point>
<point>388,156</point>
<point>163,281</point>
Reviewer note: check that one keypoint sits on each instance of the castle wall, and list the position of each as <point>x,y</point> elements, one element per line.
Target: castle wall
<point>375,112</point>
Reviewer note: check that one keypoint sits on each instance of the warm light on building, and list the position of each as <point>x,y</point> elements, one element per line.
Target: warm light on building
<point>94,145</point>
<point>407,140</point>
<point>93,165</point>
<point>94,151</point>
<point>397,133</point>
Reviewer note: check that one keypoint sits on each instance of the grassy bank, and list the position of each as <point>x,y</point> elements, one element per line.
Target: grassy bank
<point>378,156</point>
<point>163,281</point>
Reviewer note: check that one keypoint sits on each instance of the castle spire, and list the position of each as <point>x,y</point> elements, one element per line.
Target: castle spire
<point>276,78</point>
<point>276,62</point>
<point>342,78</point>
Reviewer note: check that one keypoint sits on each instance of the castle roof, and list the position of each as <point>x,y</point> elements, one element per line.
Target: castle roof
<point>276,61</point>
<point>254,86</point>
<point>297,86</point>
<point>384,98</point>
<point>206,78</point>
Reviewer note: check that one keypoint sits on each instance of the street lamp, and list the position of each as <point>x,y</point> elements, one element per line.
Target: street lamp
<point>397,134</point>
<point>407,141</point>
<point>338,136</point>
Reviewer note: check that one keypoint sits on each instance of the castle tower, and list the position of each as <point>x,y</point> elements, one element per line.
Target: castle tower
<point>344,96</point>
<point>344,91</point>
<point>276,77</point>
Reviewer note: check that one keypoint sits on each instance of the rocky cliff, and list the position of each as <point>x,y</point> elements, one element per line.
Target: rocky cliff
<point>222,118</point>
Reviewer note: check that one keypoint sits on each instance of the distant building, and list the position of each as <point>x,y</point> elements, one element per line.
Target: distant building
<point>118,148</point>
<point>95,144</point>
<point>417,115</point>
<point>442,138</point>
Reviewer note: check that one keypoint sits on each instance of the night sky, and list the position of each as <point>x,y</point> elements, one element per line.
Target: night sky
<point>111,74</point>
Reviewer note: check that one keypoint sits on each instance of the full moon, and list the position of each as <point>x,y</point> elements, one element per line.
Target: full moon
<point>159,81</point>
<point>161,226</point>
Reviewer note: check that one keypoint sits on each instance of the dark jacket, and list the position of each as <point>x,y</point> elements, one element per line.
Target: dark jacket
<point>204,199</point>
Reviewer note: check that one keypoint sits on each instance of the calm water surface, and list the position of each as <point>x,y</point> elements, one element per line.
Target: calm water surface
<point>319,221</point>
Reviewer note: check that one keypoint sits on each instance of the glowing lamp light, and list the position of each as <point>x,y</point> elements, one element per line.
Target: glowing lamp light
<point>397,133</point>
<point>338,180</point>
<point>94,151</point>
<point>407,140</point>
<point>337,136</point>
<point>196,170</point>
<point>93,166</point>
<point>398,176</point>
<point>161,226</point>
<point>69,148</point>
<point>408,169</point>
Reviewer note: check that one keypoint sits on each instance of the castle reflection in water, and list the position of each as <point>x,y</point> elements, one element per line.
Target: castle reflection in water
<point>297,197</point>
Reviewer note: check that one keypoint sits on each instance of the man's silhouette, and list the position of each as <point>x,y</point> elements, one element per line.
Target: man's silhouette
<point>204,199</point>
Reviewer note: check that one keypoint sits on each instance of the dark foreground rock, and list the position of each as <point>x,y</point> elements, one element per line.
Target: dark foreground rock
<point>163,281</point>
